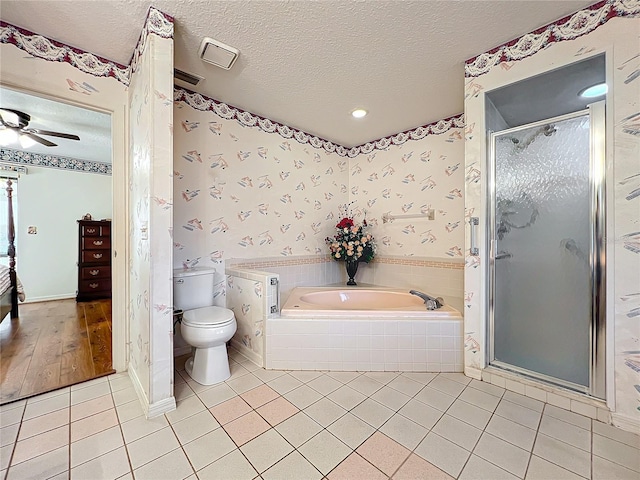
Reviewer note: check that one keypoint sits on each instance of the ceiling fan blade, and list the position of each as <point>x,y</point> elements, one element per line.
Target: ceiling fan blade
<point>53,134</point>
<point>40,140</point>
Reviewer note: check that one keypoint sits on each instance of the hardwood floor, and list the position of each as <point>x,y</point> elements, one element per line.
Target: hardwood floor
<point>53,345</point>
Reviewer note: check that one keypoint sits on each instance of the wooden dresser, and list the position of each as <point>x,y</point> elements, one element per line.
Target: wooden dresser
<point>94,260</point>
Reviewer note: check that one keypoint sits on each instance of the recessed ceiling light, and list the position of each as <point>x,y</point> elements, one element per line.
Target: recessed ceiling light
<point>359,113</point>
<point>594,91</point>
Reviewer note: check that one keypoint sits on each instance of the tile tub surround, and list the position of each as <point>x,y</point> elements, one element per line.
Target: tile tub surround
<point>312,425</point>
<point>365,344</point>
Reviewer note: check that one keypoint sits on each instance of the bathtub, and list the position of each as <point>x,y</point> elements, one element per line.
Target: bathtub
<point>363,329</point>
<point>321,302</point>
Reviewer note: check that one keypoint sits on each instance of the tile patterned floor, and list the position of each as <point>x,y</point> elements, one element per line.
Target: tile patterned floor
<point>309,425</point>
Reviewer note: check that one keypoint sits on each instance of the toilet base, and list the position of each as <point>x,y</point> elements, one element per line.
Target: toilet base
<point>209,366</point>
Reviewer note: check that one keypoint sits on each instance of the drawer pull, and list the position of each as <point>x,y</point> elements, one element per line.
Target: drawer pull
<point>98,242</point>
<point>94,272</point>
<point>97,255</point>
<point>91,230</point>
<point>94,285</point>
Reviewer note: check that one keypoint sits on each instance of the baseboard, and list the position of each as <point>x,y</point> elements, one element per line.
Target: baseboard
<point>150,410</point>
<point>630,424</point>
<point>251,355</point>
<point>49,298</point>
<point>473,372</point>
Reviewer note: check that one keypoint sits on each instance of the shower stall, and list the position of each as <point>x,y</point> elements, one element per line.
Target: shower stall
<point>546,270</point>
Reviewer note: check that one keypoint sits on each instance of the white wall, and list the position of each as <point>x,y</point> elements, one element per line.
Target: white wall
<point>52,200</point>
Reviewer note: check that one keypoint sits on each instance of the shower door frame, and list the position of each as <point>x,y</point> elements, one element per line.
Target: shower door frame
<point>597,253</point>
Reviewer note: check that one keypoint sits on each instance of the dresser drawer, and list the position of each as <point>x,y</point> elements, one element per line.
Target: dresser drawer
<point>99,271</point>
<point>96,285</point>
<point>96,243</point>
<point>96,256</point>
<point>96,231</point>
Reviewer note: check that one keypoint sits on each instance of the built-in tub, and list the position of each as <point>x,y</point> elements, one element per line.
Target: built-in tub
<point>363,329</point>
<point>348,302</point>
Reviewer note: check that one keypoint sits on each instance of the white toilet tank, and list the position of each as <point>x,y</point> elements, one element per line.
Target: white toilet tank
<point>193,288</point>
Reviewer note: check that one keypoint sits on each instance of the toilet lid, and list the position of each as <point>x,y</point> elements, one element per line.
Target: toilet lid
<point>207,316</point>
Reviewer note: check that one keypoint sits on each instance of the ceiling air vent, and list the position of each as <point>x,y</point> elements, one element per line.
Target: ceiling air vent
<point>217,53</point>
<point>185,77</point>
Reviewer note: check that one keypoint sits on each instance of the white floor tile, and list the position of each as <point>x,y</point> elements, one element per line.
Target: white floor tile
<point>503,454</point>
<point>324,451</point>
<point>234,466</point>
<point>404,431</point>
<point>96,445</point>
<point>628,457</point>
<point>106,467</point>
<point>480,399</point>
<point>435,398</point>
<point>284,384</point>
<point>567,416</point>
<point>217,394</point>
<point>566,432</point>
<point>141,426</point>
<point>43,443</point>
<point>324,384</point>
<point>244,383</point>
<point>266,449</point>
<point>152,446</point>
<point>5,456</point>
<point>512,432</point>
<point>43,466</point>
<point>420,377</point>
<point>9,435</point>
<point>528,402</point>
<point>617,434</point>
<point>351,430</point>
<point>305,375</point>
<point>450,387</point>
<point>365,385</point>
<point>302,396</point>
<point>172,466</point>
<point>487,387</point>
<point>346,397</point>
<point>325,412</point>
<point>541,469</point>
<point>420,413</point>
<point>519,414</point>
<point>563,454</point>
<point>129,411</point>
<point>36,409</point>
<point>443,454</point>
<point>43,423</point>
<point>182,390</point>
<point>12,416</point>
<point>292,467</point>
<point>478,468</point>
<point>209,448</point>
<point>457,431</point>
<point>405,385</point>
<point>89,393</point>
<point>195,426</point>
<point>476,416</point>
<point>372,412</point>
<point>456,377</point>
<point>125,395</point>
<point>298,429</point>
<point>344,377</point>
<point>186,408</point>
<point>91,407</point>
<point>93,424</point>
<point>391,398</point>
<point>606,470</point>
<point>268,375</point>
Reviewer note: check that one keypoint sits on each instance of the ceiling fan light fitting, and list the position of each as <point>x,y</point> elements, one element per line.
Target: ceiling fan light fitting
<point>10,117</point>
<point>26,141</point>
<point>8,136</point>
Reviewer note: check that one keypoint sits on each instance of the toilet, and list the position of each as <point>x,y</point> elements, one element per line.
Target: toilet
<point>205,327</point>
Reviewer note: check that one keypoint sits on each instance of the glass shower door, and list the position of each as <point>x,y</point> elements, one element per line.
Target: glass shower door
<point>541,250</point>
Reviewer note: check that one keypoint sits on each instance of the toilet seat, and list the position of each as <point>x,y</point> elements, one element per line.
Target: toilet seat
<point>207,317</point>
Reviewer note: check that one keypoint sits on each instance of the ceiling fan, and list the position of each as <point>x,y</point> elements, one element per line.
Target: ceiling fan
<point>14,125</point>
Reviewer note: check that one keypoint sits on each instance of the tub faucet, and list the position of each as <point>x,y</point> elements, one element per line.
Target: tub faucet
<point>432,303</point>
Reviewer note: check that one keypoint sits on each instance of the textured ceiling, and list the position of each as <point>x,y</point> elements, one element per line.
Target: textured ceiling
<point>93,128</point>
<point>306,63</point>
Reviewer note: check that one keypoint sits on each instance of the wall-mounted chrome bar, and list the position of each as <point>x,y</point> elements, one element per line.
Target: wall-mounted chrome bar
<point>429,214</point>
<point>473,223</point>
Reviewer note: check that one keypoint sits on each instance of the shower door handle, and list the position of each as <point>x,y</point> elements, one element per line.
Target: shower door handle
<point>473,223</point>
<point>502,255</point>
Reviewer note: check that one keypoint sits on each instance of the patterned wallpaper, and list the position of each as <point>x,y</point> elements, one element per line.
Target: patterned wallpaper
<point>150,222</point>
<point>243,192</point>
<point>618,39</point>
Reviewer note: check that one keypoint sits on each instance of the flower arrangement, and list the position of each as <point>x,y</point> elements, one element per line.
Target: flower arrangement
<point>351,242</point>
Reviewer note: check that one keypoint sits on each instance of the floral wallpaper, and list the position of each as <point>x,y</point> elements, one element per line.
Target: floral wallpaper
<point>586,34</point>
<point>150,222</point>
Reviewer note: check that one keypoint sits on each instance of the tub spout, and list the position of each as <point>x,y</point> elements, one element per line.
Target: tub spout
<point>432,303</point>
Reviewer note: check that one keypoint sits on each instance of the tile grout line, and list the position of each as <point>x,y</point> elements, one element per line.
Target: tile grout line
<point>126,448</point>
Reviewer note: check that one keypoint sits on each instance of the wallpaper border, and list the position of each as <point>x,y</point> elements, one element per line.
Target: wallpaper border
<point>54,161</point>
<point>203,103</point>
<point>567,28</point>
<point>257,264</point>
<point>45,48</point>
